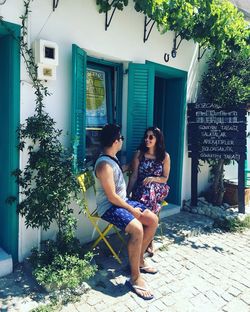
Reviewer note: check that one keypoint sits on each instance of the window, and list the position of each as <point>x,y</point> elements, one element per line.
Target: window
<point>100,106</point>
<point>96,99</point>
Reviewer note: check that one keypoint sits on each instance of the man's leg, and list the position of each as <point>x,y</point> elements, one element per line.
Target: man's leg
<point>135,229</point>
<point>125,220</point>
<point>150,222</point>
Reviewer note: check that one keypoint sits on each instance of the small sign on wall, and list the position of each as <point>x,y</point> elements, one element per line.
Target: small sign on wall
<point>46,72</point>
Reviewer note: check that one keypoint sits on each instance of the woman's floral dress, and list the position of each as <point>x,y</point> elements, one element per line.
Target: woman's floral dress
<point>152,194</point>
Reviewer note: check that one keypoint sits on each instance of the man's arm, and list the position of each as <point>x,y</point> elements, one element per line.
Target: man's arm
<point>104,173</point>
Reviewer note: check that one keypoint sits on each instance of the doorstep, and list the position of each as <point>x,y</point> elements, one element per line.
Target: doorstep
<point>6,264</point>
<point>169,210</point>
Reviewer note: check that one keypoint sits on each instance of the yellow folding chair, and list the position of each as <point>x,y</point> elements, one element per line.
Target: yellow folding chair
<point>86,181</point>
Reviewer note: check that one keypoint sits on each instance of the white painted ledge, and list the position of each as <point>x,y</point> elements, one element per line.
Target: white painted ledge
<point>6,264</point>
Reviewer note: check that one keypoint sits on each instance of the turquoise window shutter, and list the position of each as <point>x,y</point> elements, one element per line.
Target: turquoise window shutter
<point>119,88</point>
<point>140,104</point>
<point>78,122</point>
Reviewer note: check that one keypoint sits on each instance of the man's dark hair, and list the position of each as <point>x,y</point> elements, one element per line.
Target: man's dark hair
<point>109,134</point>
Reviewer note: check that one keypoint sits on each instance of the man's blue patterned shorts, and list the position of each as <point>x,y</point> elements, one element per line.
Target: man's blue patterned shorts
<point>121,217</point>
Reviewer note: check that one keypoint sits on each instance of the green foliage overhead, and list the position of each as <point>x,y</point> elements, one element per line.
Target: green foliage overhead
<point>215,24</point>
<point>107,5</point>
<point>227,84</point>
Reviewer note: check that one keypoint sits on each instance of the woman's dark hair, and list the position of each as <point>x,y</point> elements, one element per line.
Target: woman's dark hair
<point>160,149</point>
<point>109,134</point>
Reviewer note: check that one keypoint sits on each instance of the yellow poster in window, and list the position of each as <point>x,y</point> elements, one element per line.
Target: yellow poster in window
<point>96,110</point>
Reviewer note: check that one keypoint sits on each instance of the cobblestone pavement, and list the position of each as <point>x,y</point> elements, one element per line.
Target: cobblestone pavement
<point>200,269</point>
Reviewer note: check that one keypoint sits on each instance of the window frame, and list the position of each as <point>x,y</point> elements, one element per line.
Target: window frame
<point>78,123</point>
<point>118,70</point>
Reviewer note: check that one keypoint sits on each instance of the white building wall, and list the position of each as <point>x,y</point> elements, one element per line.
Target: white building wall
<point>80,23</point>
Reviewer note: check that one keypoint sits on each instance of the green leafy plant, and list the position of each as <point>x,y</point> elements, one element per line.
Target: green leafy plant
<point>234,224</point>
<point>47,184</point>
<point>227,85</point>
<point>55,267</point>
<point>49,249</point>
<point>65,271</point>
<point>51,307</point>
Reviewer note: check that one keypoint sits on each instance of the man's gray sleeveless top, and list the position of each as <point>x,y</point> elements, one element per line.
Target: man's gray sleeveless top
<point>102,202</point>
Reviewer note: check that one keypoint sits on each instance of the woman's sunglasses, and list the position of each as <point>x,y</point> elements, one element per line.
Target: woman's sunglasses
<point>150,137</point>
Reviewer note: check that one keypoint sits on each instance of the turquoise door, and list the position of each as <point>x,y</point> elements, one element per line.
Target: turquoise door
<point>9,120</point>
<point>157,96</point>
<point>169,115</point>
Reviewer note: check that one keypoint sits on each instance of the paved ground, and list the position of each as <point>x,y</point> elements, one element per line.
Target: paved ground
<point>200,269</point>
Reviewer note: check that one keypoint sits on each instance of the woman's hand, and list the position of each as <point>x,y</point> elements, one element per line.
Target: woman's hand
<point>125,167</point>
<point>148,180</point>
<point>129,195</point>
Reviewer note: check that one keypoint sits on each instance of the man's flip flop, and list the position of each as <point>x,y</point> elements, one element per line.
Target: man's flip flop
<point>134,288</point>
<point>149,253</point>
<point>148,270</point>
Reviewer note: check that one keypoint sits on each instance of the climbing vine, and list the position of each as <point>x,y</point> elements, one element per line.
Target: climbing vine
<point>47,184</point>
<point>215,24</point>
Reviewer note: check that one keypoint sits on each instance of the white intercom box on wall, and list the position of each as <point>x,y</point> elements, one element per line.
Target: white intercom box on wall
<point>46,58</point>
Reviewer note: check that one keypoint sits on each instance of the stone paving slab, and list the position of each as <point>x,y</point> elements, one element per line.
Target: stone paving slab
<point>200,269</point>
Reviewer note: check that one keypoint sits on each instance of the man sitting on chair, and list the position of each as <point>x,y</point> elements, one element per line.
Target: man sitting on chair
<point>114,207</point>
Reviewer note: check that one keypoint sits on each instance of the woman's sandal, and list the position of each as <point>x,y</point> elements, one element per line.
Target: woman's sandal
<point>148,269</point>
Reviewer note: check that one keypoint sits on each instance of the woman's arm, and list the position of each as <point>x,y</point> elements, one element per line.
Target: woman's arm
<point>134,174</point>
<point>166,170</point>
<point>166,166</point>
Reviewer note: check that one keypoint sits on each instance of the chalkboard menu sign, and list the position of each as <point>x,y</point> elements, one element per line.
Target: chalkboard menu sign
<point>215,133</point>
